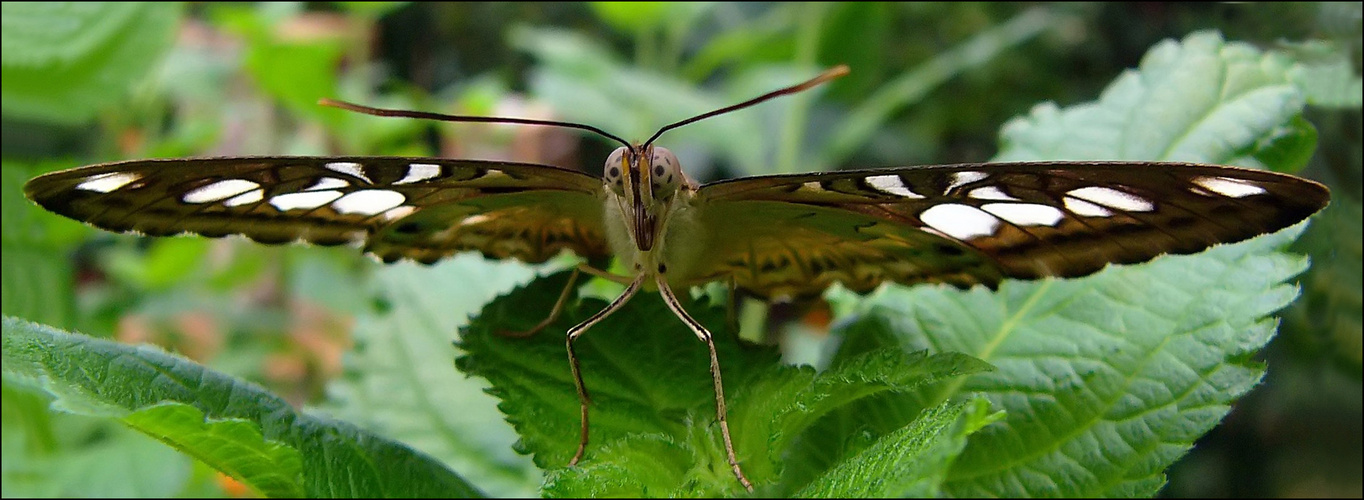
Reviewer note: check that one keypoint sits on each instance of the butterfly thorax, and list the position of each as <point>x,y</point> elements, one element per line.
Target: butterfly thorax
<point>648,203</point>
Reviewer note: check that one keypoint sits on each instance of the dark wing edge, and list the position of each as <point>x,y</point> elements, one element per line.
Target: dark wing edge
<point>422,209</point>
<point>978,223</point>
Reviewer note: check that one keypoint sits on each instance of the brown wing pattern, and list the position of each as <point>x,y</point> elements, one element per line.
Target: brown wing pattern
<point>416,208</point>
<point>792,235</point>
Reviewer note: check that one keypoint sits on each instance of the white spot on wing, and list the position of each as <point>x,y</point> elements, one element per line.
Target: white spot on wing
<point>348,168</point>
<point>253,196</point>
<point>962,222</point>
<point>892,184</point>
<point>811,186</point>
<point>308,200</point>
<point>106,183</point>
<point>1113,198</point>
<point>1086,209</point>
<point>220,190</point>
<point>1025,214</point>
<point>418,172</point>
<point>369,202</point>
<point>991,193</point>
<point>399,212</point>
<point>328,183</point>
<point>474,219</point>
<point>1226,186</point>
<point>962,178</point>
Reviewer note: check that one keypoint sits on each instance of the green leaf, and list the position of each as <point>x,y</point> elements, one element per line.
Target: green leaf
<point>630,17</point>
<point>1330,314</point>
<point>163,394</point>
<point>1109,379</point>
<point>35,278</point>
<point>1326,76</point>
<point>234,446</point>
<point>652,421</point>
<point>582,80</point>
<point>297,71</point>
<point>1106,380</point>
<point>65,61</point>
<point>1199,100</point>
<point>1287,148</point>
<point>401,381</point>
<point>371,10</point>
<point>162,266</point>
<point>66,455</point>
<point>910,462</point>
<point>873,111</point>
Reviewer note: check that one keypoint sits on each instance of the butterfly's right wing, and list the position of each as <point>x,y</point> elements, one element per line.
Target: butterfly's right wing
<point>793,235</point>
<point>415,208</point>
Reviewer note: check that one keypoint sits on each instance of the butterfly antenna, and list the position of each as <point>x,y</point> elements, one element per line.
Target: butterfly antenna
<point>828,74</point>
<point>424,115</point>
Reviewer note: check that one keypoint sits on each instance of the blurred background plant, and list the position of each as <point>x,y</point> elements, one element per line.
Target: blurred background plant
<point>930,83</point>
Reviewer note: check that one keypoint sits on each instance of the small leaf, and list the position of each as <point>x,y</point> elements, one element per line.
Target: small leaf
<point>1287,148</point>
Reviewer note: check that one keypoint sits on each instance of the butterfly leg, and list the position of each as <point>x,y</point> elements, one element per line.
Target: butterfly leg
<point>563,298</point>
<point>705,336</point>
<point>553,312</point>
<point>577,331</point>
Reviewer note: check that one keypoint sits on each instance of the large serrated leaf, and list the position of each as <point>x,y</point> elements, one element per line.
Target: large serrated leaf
<point>104,378</point>
<point>653,428</point>
<point>1106,380</point>
<point>1199,100</point>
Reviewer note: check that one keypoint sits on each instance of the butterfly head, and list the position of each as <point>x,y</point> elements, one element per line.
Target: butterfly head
<point>645,180</point>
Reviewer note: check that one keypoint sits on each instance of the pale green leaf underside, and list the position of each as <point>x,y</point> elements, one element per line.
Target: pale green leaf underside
<point>234,446</point>
<point>401,381</point>
<point>1201,100</point>
<point>228,423</point>
<point>1106,380</point>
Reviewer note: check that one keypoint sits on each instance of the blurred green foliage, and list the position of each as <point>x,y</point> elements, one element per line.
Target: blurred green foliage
<point>930,83</point>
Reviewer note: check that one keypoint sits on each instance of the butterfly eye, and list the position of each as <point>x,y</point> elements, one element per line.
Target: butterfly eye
<point>666,174</point>
<point>611,172</point>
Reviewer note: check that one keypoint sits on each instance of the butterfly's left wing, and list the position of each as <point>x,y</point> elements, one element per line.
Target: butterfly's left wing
<point>416,208</point>
<point>794,235</point>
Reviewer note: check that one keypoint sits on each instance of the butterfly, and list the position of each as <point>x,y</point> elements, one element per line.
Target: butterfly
<point>777,236</point>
